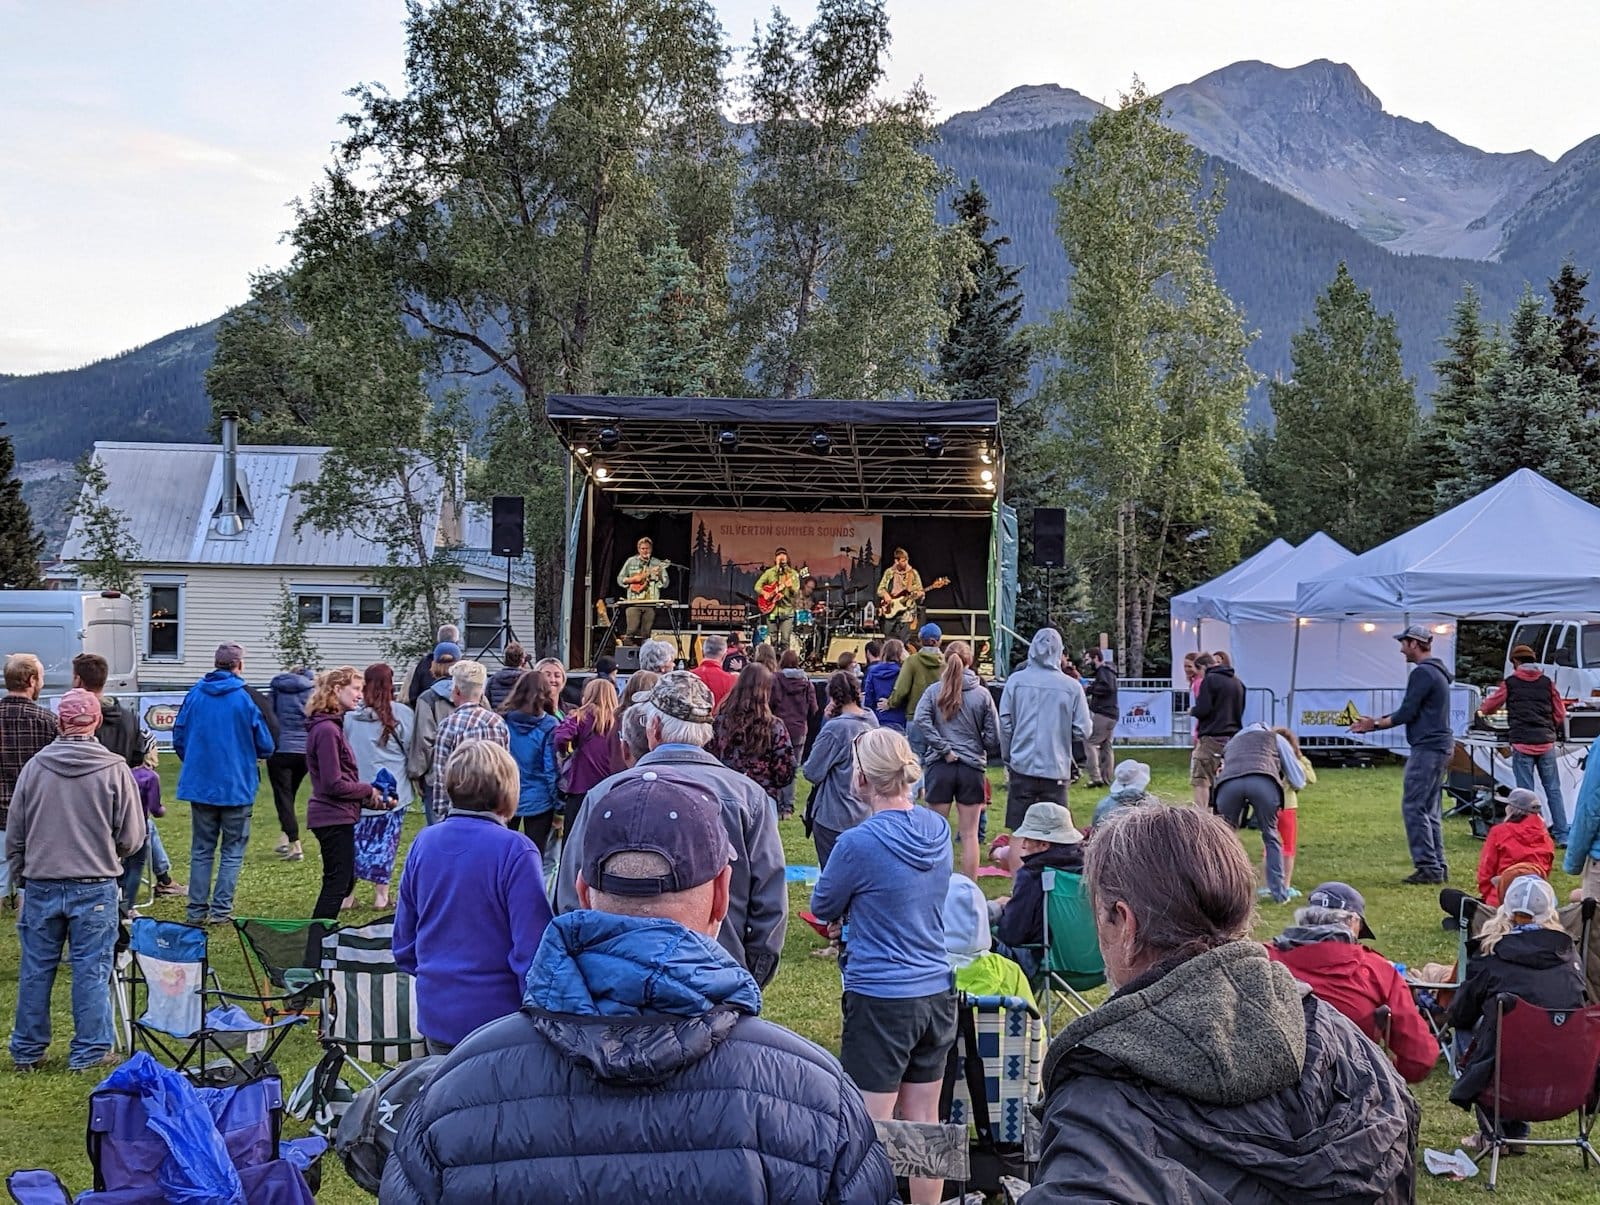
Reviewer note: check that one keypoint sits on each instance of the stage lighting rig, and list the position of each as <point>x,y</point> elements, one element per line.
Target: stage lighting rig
<point>933,445</point>
<point>728,437</point>
<point>610,438</point>
<point>821,442</point>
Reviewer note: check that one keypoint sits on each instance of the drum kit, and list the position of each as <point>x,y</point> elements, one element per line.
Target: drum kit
<point>829,611</point>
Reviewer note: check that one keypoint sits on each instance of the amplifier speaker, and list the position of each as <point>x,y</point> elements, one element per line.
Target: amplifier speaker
<point>1049,537</point>
<point>848,644</point>
<point>627,656</point>
<point>505,525</point>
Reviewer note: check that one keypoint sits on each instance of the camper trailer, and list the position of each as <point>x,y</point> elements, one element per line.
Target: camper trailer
<point>57,625</point>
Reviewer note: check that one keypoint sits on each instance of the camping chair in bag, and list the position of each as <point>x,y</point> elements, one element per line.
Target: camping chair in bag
<point>1070,962</point>
<point>284,958</point>
<point>994,1078</point>
<point>186,1015</point>
<point>368,1020</point>
<point>934,1151</point>
<point>1546,1064</point>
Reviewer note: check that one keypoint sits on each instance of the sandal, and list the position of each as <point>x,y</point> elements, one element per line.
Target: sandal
<point>1477,1145</point>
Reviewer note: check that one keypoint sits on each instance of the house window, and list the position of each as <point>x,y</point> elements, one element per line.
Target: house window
<point>320,609</point>
<point>163,620</point>
<point>484,628</point>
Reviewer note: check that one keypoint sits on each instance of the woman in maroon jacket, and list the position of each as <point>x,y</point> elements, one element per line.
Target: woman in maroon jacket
<point>337,792</point>
<point>589,739</point>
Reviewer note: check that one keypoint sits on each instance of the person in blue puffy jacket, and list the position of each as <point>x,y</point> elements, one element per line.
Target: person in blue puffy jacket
<point>638,1068</point>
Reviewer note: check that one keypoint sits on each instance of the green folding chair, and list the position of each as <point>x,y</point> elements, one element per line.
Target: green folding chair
<point>1070,962</point>
<point>284,959</point>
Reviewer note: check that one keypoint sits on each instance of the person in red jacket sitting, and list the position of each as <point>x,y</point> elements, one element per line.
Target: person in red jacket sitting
<point>1520,837</point>
<point>1323,950</point>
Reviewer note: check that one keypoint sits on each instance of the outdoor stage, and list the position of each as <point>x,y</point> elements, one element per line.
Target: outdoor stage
<point>719,483</point>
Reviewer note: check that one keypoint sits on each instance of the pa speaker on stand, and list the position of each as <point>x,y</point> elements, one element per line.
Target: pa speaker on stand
<point>1049,537</point>
<point>506,525</point>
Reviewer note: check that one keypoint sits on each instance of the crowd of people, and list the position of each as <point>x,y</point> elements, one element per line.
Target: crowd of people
<point>598,896</point>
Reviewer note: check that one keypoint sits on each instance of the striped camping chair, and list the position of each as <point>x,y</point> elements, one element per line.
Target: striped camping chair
<point>1009,1036</point>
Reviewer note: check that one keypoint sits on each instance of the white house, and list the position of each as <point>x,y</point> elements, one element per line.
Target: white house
<point>211,573</point>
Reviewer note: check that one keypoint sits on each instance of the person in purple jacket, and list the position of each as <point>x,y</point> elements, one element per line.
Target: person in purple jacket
<point>472,902</point>
<point>337,792</point>
<point>591,738</point>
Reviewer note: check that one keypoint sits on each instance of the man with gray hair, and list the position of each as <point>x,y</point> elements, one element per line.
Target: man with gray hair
<point>219,734</point>
<point>470,721</point>
<point>677,722</point>
<point>658,656</point>
<point>422,675</point>
<point>1323,950</point>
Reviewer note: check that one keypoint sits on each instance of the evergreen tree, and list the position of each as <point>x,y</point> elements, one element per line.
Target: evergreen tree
<point>1472,352</point>
<point>21,547</point>
<point>1529,413</point>
<point>1579,354</point>
<point>1339,459</point>
<point>669,349</point>
<point>1146,393</point>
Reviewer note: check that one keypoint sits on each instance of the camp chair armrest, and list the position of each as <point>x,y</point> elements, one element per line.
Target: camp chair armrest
<point>311,990</point>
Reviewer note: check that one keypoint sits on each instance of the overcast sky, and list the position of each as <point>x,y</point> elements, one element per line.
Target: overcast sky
<point>148,149</point>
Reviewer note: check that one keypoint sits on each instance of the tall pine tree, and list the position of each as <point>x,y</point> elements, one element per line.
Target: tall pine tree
<point>20,545</point>
<point>670,349</point>
<point>1528,413</point>
<point>1579,340</point>
<point>1339,457</point>
<point>1471,353</point>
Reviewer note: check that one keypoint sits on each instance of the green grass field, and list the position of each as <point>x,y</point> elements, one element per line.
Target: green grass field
<point>1349,829</point>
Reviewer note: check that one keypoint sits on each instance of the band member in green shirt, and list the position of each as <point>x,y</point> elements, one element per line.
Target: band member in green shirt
<point>779,586</point>
<point>642,579</point>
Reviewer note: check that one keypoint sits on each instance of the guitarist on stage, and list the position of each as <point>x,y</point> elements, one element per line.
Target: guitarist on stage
<point>642,579</point>
<point>900,596</point>
<point>776,592</point>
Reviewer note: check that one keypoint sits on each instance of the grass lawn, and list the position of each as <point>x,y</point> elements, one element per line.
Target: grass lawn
<point>1349,829</point>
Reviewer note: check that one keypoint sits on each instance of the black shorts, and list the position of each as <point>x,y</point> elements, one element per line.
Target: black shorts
<point>953,782</point>
<point>886,1043</point>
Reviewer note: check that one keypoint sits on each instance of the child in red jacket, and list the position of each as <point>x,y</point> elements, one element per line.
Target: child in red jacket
<point>1520,837</point>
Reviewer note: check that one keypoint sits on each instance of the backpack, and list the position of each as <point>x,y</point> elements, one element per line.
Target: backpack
<point>371,1125</point>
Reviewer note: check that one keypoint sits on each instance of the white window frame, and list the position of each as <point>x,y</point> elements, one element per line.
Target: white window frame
<point>356,593</point>
<point>497,597</point>
<point>154,581</point>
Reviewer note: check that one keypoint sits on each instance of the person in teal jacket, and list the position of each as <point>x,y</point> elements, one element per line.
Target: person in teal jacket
<point>1583,838</point>
<point>219,735</point>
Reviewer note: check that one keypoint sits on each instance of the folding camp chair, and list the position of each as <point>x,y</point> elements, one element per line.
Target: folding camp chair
<point>1433,996</point>
<point>1546,1064</point>
<point>284,958</point>
<point>368,1020</point>
<point>1070,961</point>
<point>1579,920</point>
<point>999,1054</point>
<point>925,1149</point>
<point>186,1015</point>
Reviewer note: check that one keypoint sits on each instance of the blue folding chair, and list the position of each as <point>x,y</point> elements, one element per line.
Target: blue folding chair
<point>185,1016</point>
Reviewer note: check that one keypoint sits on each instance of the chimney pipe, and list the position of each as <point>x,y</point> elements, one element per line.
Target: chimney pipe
<point>227,521</point>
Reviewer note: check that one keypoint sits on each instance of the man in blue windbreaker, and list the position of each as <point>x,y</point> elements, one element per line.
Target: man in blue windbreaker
<point>638,1068</point>
<point>219,734</point>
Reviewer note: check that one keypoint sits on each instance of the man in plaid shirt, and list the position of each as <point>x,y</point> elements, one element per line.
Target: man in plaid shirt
<point>25,728</point>
<point>470,721</point>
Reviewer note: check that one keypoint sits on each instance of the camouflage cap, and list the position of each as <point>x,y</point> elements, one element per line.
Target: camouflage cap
<point>683,696</point>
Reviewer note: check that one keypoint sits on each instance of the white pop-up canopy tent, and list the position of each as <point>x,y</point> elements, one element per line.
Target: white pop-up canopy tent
<point>1199,618</point>
<point>1524,546</point>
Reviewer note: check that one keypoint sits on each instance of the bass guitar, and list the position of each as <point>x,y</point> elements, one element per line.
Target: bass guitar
<point>899,603</point>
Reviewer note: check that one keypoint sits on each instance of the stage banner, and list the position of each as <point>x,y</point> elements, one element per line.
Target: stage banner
<point>1146,716</point>
<point>1331,712</point>
<point>731,548</point>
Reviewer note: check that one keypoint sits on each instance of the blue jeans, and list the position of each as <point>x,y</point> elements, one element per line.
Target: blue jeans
<point>1263,795</point>
<point>5,869</point>
<point>83,915</point>
<point>132,872</point>
<point>231,827</point>
<point>159,862</point>
<point>1549,767</point>
<point>1420,808</point>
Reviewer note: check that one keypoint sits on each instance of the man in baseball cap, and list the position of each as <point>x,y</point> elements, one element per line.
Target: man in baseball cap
<point>677,728</point>
<point>1323,949</point>
<point>648,1029</point>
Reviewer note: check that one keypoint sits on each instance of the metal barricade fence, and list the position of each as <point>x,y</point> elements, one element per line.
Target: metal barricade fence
<point>1155,714</point>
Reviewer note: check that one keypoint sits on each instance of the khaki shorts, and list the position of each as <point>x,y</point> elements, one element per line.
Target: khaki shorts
<point>1206,760</point>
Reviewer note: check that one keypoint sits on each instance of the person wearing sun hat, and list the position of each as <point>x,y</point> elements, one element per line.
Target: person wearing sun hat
<point>1045,840</point>
<point>75,814</point>
<point>1129,787</point>
<point>648,1032</point>
<point>1522,951</point>
<point>1323,950</point>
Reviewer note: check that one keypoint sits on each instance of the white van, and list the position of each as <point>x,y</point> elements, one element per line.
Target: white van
<point>1567,650</point>
<point>57,625</point>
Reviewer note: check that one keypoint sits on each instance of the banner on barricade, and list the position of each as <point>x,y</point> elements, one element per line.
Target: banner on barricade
<point>1146,716</point>
<point>1329,713</point>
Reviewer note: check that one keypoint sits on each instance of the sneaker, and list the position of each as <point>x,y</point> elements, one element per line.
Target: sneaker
<point>1425,878</point>
<point>1291,893</point>
<point>27,1068</point>
<point>171,888</point>
<point>109,1059</point>
<point>293,855</point>
<point>281,848</point>
<point>1263,893</point>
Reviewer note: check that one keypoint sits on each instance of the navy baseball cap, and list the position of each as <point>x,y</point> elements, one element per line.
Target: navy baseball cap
<point>669,815</point>
<point>1344,898</point>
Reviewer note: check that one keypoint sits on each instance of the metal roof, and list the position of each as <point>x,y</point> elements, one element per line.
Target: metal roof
<point>668,455</point>
<point>169,493</point>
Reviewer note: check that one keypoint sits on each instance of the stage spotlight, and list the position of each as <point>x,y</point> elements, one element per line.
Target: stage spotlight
<point>581,450</point>
<point>987,476</point>
<point>821,441</point>
<point>990,486</point>
<point>610,437</point>
<point>933,445</point>
<point>601,472</point>
<point>985,455</point>
<point>728,437</point>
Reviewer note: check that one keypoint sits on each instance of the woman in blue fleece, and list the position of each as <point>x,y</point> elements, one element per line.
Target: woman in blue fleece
<point>886,880</point>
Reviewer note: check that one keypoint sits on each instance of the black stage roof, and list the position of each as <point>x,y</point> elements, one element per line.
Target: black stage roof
<point>668,454</point>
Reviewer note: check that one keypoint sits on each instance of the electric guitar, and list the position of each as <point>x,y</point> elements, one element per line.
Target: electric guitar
<point>773,593</point>
<point>898,604</point>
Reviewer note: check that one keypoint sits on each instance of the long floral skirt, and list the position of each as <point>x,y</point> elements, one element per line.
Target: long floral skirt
<point>377,844</point>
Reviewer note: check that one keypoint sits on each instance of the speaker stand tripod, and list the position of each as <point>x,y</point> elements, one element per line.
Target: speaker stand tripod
<point>505,633</point>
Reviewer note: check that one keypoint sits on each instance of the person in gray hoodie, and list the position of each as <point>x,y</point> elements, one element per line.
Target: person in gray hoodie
<point>960,733</point>
<point>1040,709</point>
<point>834,805</point>
<point>75,814</point>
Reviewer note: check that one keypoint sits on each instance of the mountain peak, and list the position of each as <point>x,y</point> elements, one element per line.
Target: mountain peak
<point>1028,107</point>
<point>1321,84</point>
